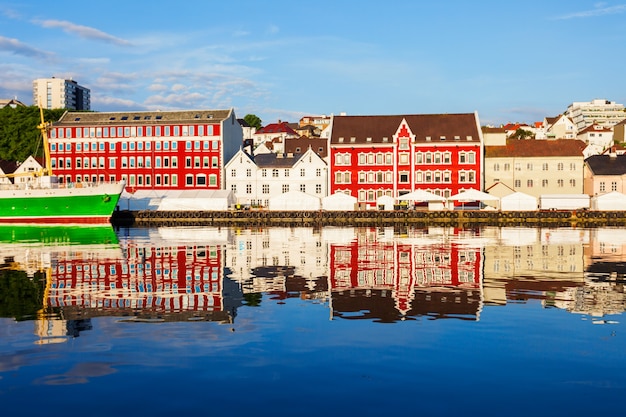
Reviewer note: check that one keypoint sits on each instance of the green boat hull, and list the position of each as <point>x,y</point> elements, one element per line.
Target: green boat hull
<point>59,205</point>
<point>58,235</point>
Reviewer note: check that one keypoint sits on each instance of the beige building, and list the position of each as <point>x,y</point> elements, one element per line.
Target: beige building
<point>536,167</point>
<point>559,127</point>
<point>57,93</point>
<point>605,173</point>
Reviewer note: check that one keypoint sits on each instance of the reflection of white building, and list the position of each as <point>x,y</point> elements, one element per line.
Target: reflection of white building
<point>261,260</point>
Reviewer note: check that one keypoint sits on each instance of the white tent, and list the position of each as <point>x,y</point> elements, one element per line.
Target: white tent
<point>141,199</point>
<point>385,202</point>
<point>435,202</point>
<point>613,201</point>
<point>294,200</point>
<point>473,195</point>
<point>339,201</point>
<point>519,202</point>
<point>219,200</point>
<point>421,195</point>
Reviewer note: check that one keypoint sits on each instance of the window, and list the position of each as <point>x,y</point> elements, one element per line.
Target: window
<point>613,186</point>
<point>212,180</point>
<point>403,178</point>
<point>248,188</point>
<point>264,172</point>
<point>286,173</point>
<point>188,162</point>
<point>205,162</point>
<point>544,166</point>
<point>518,183</point>
<point>404,158</point>
<point>529,183</point>
<point>233,172</point>
<point>403,144</point>
<point>302,172</point>
<point>572,183</point>
<point>544,183</point>
<point>303,188</point>
<point>318,188</point>
<point>559,166</point>
<point>285,188</point>
<point>233,188</point>
<point>602,186</point>
<point>201,179</point>
<point>318,172</point>
<point>189,180</point>
<point>274,173</point>
<point>559,183</point>
<point>265,189</point>
<point>248,172</point>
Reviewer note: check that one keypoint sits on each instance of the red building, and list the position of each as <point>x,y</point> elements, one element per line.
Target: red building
<point>150,150</point>
<point>374,156</point>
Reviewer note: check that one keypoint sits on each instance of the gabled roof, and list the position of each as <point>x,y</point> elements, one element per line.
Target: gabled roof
<point>72,118</point>
<point>272,160</point>
<point>595,128</point>
<point>425,127</point>
<point>536,148</point>
<point>8,167</point>
<point>280,127</point>
<point>607,164</point>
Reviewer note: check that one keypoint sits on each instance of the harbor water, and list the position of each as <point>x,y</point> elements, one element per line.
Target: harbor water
<point>304,321</point>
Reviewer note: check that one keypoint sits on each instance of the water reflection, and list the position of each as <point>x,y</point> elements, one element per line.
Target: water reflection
<point>376,274</point>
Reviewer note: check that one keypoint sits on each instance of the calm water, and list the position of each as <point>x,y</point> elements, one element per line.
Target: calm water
<point>299,322</point>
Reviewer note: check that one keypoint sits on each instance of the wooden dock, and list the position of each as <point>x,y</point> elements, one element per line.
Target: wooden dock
<point>456,218</point>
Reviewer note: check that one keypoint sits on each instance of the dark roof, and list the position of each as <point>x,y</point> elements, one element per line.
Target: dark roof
<point>380,129</point>
<point>606,164</point>
<point>8,167</point>
<point>272,160</point>
<point>536,148</point>
<point>72,118</point>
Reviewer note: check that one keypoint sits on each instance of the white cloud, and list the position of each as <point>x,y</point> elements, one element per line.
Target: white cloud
<point>600,10</point>
<point>82,31</point>
<point>16,47</point>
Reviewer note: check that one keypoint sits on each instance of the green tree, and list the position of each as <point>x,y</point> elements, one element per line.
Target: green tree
<point>19,135</point>
<point>522,134</point>
<point>253,120</point>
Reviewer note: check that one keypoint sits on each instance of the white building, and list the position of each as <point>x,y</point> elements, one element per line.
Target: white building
<point>255,179</point>
<point>25,171</point>
<point>57,93</point>
<point>599,111</point>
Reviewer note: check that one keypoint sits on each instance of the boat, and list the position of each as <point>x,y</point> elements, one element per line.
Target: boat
<point>45,199</point>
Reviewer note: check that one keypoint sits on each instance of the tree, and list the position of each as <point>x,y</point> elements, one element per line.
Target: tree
<point>522,134</point>
<point>19,135</point>
<point>253,120</point>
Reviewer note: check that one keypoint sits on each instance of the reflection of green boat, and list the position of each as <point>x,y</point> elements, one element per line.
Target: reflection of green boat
<point>58,235</point>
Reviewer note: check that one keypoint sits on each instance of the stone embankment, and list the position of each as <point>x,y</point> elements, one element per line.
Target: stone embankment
<point>460,218</point>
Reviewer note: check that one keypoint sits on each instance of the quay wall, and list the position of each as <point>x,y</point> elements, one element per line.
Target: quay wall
<point>457,218</point>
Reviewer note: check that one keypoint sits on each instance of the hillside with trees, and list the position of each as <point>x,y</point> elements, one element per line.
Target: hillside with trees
<point>19,136</point>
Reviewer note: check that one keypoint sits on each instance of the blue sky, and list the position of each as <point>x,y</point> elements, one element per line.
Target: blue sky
<point>509,61</point>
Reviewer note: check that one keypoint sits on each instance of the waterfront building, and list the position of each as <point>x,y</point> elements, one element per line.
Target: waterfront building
<point>605,173</point>
<point>375,156</point>
<point>23,174</point>
<point>163,150</point>
<point>599,111</point>
<point>536,167</point>
<point>559,127</point>
<point>57,93</point>
<point>597,137</point>
<point>255,178</point>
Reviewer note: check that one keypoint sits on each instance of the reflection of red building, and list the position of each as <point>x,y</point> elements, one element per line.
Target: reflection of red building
<point>145,281</point>
<point>406,270</point>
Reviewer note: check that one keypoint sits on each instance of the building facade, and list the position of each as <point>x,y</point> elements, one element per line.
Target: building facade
<point>375,156</point>
<point>256,179</point>
<point>599,111</point>
<point>57,93</point>
<point>149,150</point>
<point>605,173</point>
<point>536,167</point>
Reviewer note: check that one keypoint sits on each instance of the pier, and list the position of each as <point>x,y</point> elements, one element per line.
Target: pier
<point>419,218</point>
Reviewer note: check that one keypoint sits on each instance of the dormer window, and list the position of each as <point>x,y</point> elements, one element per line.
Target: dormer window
<point>352,139</point>
<point>340,140</point>
<point>368,139</point>
<point>469,138</point>
<point>427,138</point>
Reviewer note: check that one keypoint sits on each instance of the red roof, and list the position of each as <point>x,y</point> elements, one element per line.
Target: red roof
<point>536,148</point>
<point>282,127</point>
